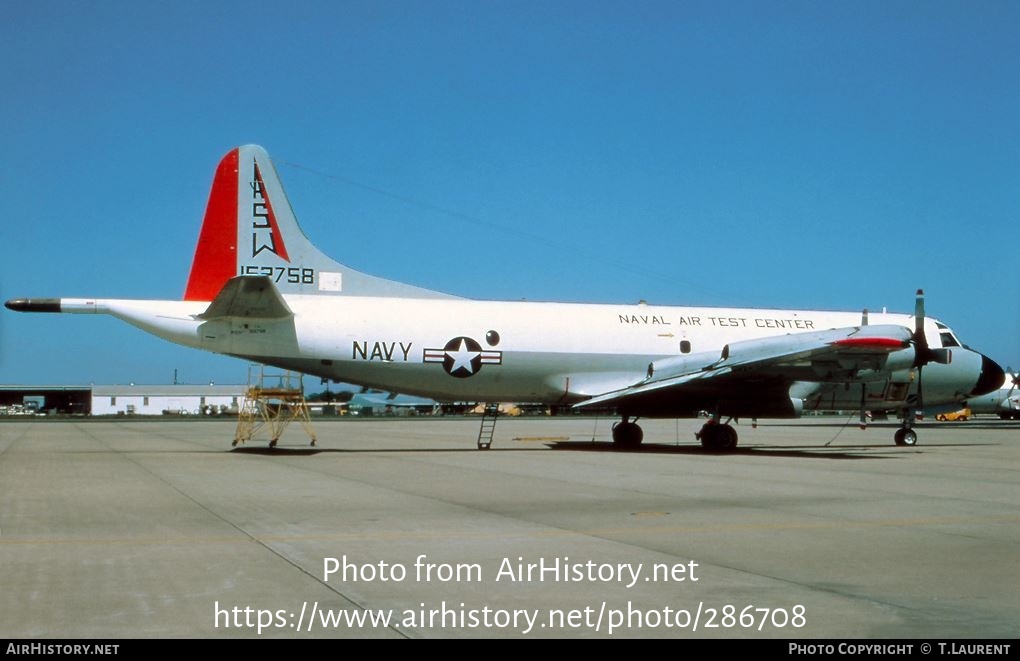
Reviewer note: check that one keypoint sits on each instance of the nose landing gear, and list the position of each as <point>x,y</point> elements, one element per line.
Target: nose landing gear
<point>905,435</point>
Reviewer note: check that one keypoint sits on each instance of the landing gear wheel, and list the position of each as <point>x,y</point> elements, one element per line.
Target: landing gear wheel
<point>272,443</point>
<point>627,434</point>
<point>905,437</point>
<point>718,438</point>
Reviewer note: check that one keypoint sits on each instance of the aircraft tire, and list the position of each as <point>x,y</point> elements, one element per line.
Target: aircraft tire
<point>905,437</point>
<point>627,435</point>
<point>718,438</point>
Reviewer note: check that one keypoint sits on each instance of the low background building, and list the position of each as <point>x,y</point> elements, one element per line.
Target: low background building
<point>178,399</point>
<point>31,400</point>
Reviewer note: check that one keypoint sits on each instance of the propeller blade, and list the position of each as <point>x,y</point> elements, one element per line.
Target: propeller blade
<point>920,393</point>
<point>919,337</point>
<point>922,354</point>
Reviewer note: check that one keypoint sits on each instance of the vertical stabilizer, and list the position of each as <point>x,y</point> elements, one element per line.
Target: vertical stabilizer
<point>250,229</point>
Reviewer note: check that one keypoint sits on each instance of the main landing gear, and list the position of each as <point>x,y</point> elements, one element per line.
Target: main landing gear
<point>627,434</point>
<point>716,437</point>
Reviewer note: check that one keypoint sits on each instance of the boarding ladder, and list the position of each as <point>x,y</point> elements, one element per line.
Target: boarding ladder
<point>489,415</point>
<point>272,401</point>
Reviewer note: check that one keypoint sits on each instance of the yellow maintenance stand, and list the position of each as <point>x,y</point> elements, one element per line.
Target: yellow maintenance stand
<point>272,401</point>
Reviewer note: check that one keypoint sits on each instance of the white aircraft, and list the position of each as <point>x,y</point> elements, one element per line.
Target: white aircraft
<point>1003,402</point>
<point>259,290</point>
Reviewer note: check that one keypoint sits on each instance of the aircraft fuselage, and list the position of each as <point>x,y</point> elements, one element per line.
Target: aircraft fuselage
<point>553,353</point>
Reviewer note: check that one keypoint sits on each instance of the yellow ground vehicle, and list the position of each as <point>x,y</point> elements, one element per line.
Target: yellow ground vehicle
<point>960,415</point>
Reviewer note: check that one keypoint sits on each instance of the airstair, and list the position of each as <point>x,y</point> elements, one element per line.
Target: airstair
<point>488,428</point>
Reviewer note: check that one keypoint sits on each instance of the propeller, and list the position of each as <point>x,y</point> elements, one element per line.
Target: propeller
<point>923,354</point>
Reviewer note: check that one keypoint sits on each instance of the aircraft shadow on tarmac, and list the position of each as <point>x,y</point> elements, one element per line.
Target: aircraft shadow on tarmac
<point>787,451</point>
<point>803,452</point>
<point>812,451</point>
<point>309,451</point>
<point>280,452</point>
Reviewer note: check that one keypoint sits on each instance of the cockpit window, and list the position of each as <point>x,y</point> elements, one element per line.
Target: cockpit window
<point>946,335</point>
<point>947,339</point>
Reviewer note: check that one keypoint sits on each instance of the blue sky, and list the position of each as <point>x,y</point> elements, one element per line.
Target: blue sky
<point>769,154</point>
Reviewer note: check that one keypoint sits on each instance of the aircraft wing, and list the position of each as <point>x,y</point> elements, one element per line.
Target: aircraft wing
<point>765,367</point>
<point>252,296</point>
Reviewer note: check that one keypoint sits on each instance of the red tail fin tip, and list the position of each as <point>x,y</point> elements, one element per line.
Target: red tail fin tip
<point>216,253</point>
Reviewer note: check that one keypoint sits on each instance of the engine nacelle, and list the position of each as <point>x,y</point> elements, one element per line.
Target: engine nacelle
<point>900,360</point>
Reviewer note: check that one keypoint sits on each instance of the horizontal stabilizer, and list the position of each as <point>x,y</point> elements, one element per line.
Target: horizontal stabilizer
<point>252,296</point>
